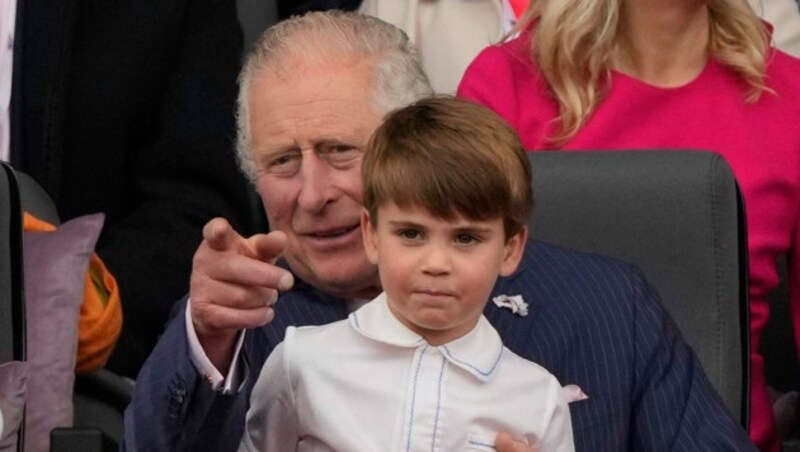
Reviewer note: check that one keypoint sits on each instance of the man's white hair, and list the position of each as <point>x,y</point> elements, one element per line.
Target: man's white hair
<point>399,78</point>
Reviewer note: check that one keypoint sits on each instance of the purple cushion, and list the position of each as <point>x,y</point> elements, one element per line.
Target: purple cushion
<point>12,402</point>
<point>55,268</point>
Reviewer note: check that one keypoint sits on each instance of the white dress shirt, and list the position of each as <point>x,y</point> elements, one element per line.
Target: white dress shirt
<point>210,374</point>
<point>369,383</point>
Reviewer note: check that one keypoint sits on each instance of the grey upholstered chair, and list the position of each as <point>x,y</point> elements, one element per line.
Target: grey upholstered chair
<point>12,320</point>
<point>13,369</point>
<point>678,216</point>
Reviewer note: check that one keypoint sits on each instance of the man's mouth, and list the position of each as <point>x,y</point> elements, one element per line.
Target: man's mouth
<point>333,232</point>
<point>332,240</point>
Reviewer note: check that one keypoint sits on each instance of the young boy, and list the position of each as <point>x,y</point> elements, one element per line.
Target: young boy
<point>447,196</point>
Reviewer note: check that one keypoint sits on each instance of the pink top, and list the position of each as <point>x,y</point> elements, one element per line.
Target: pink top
<point>760,141</point>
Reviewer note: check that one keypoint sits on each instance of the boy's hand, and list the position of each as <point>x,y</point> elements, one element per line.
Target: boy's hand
<point>505,443</point>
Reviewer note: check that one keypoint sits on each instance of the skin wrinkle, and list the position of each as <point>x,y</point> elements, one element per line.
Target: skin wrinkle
<point>305,114</point>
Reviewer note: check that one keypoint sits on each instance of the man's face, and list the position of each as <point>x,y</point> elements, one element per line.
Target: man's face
<point>309,126</point>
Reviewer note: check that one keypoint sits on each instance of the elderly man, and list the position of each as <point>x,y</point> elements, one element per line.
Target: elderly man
<point>312,91</point>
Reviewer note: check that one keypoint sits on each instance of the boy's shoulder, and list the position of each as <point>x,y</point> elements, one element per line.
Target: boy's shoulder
<point>310,335</point>
<point>526,372</point>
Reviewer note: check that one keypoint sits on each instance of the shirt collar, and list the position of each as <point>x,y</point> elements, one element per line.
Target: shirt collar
<point>478,352</point>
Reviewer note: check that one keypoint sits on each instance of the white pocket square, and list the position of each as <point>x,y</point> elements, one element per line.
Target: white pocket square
<point>573,393</point>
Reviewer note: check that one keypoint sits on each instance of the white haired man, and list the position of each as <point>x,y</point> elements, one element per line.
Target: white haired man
<point>312,91</point>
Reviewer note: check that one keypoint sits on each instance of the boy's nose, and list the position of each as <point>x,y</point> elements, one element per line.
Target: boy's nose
<point>436,260</point>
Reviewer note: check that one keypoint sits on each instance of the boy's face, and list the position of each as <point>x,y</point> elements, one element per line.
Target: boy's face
<point>438,273</point>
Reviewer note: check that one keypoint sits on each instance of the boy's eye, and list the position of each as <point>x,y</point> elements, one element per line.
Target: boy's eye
<point>410,234</point>
<point>466,239</point>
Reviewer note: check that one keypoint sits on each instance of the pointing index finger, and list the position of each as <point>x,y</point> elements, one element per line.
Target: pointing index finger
<point>268,248</point>
<point>219,234</point>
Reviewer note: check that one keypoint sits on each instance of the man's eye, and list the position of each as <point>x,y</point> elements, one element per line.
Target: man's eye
<point>284,165</point>
<point>342,154</point>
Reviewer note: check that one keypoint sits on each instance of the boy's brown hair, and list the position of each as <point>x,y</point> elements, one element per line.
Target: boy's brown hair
<point>450,156</point>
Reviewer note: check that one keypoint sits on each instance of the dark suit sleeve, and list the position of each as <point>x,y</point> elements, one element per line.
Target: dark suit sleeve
<point>173,409</point>
<point>674,405</point>
<point>156,416</point>
<point>182,173</point>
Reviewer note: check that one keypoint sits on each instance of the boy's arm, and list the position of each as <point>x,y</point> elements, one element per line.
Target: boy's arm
<point>557,425</point>
<point>272,421</point>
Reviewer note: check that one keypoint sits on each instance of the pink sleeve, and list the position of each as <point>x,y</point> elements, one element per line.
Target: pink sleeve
<point>489,81</point>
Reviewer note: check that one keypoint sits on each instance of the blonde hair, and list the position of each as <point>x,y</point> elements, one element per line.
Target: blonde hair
<point>572,43</point>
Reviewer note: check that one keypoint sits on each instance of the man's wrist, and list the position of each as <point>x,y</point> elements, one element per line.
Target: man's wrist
<point>214,357</point>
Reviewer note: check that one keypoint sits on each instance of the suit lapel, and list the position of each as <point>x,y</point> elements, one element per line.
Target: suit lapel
<point>307,306</point>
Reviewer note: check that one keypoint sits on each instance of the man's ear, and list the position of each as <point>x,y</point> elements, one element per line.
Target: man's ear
<point>515,246</point>
<point>369,237</point>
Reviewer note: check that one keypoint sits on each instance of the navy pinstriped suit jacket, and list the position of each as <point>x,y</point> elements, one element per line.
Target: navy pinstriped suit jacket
<point>593,322</point>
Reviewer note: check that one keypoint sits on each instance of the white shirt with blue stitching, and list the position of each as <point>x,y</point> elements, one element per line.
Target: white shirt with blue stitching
<point>369,383</point>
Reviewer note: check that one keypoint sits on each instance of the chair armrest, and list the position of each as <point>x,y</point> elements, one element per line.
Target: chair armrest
<point>105,386</point>
<point>65,439</point>
<point>100,399</point>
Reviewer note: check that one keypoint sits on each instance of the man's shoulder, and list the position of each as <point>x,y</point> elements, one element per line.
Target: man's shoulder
<point>570,269</point>
<point>569,288</point>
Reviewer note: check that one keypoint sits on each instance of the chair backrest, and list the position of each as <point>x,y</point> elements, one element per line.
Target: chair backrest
<point>12,304</point>
<point>678,216</point>
<point>35,200</point>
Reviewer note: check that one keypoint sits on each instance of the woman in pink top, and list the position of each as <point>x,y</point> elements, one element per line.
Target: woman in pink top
<point>692,74</point>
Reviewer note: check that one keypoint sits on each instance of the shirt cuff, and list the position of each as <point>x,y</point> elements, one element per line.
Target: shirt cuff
<point>203,365</point>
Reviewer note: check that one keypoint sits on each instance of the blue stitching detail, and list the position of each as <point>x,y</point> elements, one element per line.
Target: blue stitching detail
<point>478,443</point>
<point>413,398</point>
<point>484,373</point>
<point>438,404</point>
<point>355,317</point>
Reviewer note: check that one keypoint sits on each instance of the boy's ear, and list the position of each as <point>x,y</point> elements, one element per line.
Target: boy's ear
<point>512,256</point>
<point>368,235</point>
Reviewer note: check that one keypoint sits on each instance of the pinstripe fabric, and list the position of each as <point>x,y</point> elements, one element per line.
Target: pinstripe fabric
<point>592,321</point>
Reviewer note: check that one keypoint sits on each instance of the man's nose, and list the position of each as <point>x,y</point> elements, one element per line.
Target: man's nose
<point>316,190</point>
